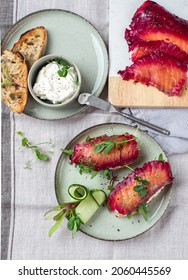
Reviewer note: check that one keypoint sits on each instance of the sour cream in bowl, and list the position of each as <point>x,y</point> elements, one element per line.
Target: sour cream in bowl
<point>54,81</point>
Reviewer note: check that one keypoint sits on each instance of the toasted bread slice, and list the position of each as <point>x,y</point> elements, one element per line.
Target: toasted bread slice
<point>32,44</point>
<point>14,74</point>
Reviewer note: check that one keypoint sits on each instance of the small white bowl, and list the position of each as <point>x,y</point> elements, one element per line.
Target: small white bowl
<point>37,66</point>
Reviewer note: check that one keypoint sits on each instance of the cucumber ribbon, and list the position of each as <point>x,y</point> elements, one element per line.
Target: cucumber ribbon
<point>79,211</point>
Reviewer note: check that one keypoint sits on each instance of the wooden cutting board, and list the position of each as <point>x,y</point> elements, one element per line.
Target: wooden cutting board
<point>127,93</point>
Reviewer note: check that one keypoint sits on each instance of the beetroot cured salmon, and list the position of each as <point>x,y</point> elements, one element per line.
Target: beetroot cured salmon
<point>159,70</point>
<point>152,22</point>
<point>124,200</point>
<point>142,48</point>
<point>105,152</point>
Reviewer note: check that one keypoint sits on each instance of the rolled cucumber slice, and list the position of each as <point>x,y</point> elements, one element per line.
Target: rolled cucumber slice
<point>86,208</point>
<point>77,191</point>
<point>100,196</point>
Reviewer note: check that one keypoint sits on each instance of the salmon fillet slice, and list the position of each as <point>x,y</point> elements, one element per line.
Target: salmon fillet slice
<point>142,48</point>
<point>124,150</point>
<point>152,22</point>
<point>124,199</point>
<point>159,70</point>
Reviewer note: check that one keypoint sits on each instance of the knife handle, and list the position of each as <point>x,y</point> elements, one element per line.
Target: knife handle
<point>147,124</point>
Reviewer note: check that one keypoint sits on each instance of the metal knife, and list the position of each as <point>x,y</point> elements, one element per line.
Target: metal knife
<point>92,100</point>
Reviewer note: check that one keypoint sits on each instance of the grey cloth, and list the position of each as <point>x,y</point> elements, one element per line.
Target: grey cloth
<point>6,19</point>
<point>32,192</point>
<point>6,16</point>
<point>174,120</point>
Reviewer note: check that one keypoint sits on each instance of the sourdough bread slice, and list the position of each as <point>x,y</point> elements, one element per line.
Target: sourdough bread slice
<point>14,74</point>
<point>32,44</point>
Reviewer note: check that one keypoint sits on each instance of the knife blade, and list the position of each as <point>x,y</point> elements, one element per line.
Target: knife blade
<point>94,101</point>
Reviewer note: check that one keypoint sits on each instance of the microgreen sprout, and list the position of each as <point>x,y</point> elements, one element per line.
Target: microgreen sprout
<point>73,223</point>
<point>142,210</point>
<point>38,154</point>
<point>88,138</point>
<point>160,158</point>
<point>68,151</point>
<point>106,173</point>
<point>128,167</point>
<point>28,164</point>
<point>89,169</point>
<point>63,71</point>
<point>63,66</point>
<point>136,131</point>
<point>106,146</point>
<point>129,216</point>
<point>94,174</point>
<point>110,187</point>
<point>141,188</point>
<point>84,168</point>
<point>112,180</point>
<point>59,212</point>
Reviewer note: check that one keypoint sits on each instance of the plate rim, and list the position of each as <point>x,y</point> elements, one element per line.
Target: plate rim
<point>15,26</point>
<point>104,124</point>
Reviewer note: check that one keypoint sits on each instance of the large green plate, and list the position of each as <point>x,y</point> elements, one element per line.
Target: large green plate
<point>71,36</point>
<point>104,225</point>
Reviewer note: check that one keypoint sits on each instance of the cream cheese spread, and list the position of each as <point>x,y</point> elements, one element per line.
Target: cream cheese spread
<point>49,85</point>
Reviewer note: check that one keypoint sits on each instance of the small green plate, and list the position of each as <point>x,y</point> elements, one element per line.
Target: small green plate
<point>104,225</point>
<point>71,36</point>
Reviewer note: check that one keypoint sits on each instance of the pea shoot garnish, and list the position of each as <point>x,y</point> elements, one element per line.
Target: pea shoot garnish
<point>129,216</point>
<point>160,158</point>
<point>38,154</point>
<point>89,169</point>
<point>142,210</point>
<point>88,138</point>
<point>58,213</point>
<point>63,66</point>
<point>85,168</point>
<point>63,71</point>
<point>141,188</point>
<point>104,147</point>
<point>86,203</point>
<point>68,151</point>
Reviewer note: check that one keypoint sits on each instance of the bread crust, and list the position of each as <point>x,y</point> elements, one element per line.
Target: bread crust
<point>14,74</point>
<point>31,44</point>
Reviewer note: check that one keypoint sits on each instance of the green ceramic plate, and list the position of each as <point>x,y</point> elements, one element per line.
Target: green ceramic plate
<point>71,36</point>
<point>104,225</point>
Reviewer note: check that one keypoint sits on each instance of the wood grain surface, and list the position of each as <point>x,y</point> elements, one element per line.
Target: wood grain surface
<point>129,94</point>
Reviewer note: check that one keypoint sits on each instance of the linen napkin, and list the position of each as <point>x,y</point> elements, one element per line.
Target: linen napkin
<point>174,120</point>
